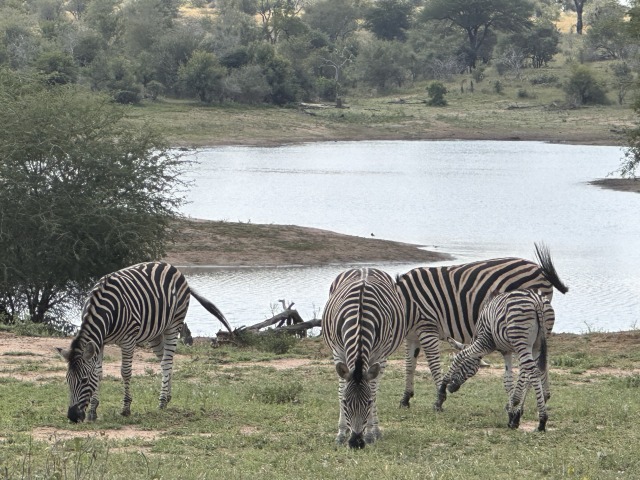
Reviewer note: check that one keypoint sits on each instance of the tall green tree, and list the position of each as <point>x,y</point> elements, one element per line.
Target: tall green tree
<point>203,75</point>
<point>336,18</point>
<point>389,19</point>
<point>83,192</point>
<point>480,18</point>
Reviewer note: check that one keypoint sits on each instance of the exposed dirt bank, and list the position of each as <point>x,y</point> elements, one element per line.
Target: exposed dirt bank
<point>620,184</point>
<point>208,243</point>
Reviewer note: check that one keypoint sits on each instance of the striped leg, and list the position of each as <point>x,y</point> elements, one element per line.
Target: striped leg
<point>430,342</point>
<point>372,432</point>
<point>412,348</point>
<point>170,343</point>
<point>529,375</point>
<point>92,414</point>
<point>125,371</point>
<point>343,428</point>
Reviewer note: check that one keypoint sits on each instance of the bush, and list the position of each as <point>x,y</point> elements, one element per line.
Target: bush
<point>270,341</point>
<point>436,92</point>
<point>544,79</point>
<point>582,88</point>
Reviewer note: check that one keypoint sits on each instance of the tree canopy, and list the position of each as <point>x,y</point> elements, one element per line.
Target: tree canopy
<point>478,18</point>
<point>82,193</point>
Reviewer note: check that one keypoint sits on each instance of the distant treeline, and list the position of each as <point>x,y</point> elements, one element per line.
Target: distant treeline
<point>282,51</point>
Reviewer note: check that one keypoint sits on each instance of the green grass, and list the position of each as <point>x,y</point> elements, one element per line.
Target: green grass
<point>259,422</point>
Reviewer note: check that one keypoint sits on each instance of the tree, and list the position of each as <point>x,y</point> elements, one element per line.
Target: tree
<point>83,193</point>
<point>607,34</point>
<point>381,63</point>
<point>203,75</point>
<point>539,44</point>
<point>631,160</point>
<point>389,19</point>
<point>582,88</point>
<point>336,18</point>
<point>478,18</point>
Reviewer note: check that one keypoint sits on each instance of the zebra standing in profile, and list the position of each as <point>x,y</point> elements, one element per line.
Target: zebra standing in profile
<point>143,303</point>
<point>363,323</point>
<point>445,302</point>
<point>511,322</point>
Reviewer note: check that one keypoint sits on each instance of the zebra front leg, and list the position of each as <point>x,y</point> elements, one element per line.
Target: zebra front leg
<point>412,349</point>
<point>170,342</point>
<point>341,438</point>
<point>92,414</point>
<point>372,432</point>
<point>125,371</point>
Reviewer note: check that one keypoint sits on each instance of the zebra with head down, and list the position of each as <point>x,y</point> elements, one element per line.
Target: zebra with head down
<point>143,303</point>
<point>511,322</point>
<point>444,302</point>
<point>363,323</point>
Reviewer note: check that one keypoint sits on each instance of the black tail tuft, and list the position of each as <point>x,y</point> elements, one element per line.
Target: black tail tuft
<point>548,270</point>
<point>212,309</point>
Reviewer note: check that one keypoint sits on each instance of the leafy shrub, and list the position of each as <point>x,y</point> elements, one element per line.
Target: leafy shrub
<point>544,79</point>
<point>436,92</point>
<point>270,341</point>
<point>497,87</point>
<point>583,88</point>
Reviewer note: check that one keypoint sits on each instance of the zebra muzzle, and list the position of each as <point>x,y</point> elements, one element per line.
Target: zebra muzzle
<point>76,414</point>
<point>356,441</point>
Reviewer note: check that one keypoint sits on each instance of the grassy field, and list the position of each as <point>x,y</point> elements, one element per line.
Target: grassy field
<point>243,413</point>
<point>532,106</point>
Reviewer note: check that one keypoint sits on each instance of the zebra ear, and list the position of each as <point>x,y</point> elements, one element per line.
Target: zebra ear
<point>373,372</point>
<point>64,353</point>
<point>90,349</point>
<point>456,345</point>
<point>343,371</point>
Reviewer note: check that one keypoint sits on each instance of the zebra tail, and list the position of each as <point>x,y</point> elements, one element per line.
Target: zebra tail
<point>548,270</point>
<point>542,335</point>
<point>212,309</point>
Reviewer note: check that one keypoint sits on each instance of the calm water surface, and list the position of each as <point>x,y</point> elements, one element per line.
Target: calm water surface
<point>475,200</point>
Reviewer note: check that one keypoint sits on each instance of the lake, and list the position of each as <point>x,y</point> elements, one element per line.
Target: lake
<point>472,199</point>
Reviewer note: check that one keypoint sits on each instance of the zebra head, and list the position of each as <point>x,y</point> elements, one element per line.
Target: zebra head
<point>462,368</point>
<point>82,376</point>
<point>357,399</point>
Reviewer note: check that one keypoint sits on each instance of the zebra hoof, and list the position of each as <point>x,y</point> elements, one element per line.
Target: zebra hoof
<point>125,412</point>
<point>404,403</point>
<point>92,416</point>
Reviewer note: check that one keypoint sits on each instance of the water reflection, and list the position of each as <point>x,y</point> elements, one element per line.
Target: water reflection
<point>473,199</point>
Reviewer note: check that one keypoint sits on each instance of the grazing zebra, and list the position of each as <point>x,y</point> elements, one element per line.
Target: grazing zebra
<point>363,323</point>
<point>511,322</point>
<point>143,303</point>
<point>444,302</point>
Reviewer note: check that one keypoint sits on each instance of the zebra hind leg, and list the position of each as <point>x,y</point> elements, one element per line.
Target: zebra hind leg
<point>412,348</point>
<point>125,371</point>
<point>170,343</point>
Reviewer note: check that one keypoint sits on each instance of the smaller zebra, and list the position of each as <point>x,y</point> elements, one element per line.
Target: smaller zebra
<point>141,304</point>
<point>511,322</point>
<point>363,323</point>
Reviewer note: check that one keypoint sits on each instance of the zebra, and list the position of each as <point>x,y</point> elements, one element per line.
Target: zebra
<point>363,323</point>
<point>142,303</point>
<point>510,322</point>
<point>444,302</point>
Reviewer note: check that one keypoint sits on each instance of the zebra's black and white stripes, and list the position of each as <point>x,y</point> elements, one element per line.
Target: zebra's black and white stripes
<point>143,303</point>
<point>445,302</point>
<point>363,323</point>
<point>511,322</point>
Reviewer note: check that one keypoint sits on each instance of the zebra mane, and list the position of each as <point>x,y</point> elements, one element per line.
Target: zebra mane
<point>358,370</point>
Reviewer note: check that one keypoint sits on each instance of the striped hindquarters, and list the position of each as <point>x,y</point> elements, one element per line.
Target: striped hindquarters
<point>364,316</point>
<point>452,296</point>
<point>136,304</point>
